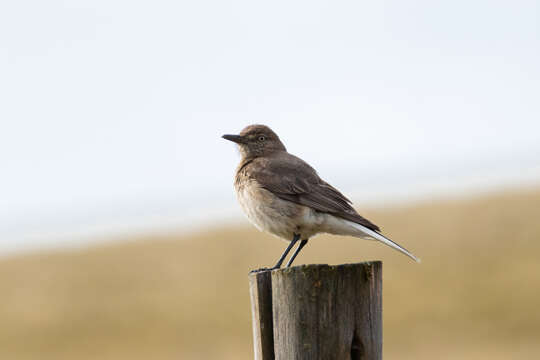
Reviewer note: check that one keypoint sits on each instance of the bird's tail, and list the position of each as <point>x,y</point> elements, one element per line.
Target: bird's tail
<point>377,236</point>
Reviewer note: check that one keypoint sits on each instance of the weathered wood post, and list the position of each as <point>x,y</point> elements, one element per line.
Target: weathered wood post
<point>323,312</point>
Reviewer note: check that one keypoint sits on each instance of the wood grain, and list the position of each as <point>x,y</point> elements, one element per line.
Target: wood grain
<point>260,288</point>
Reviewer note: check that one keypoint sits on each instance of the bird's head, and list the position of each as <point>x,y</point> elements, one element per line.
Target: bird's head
<point>256,140</point>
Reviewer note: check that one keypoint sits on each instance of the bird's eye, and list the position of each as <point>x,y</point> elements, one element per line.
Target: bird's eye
<point>262,138</point>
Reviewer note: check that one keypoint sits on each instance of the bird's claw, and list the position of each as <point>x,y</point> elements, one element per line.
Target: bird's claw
<point>263,270</point>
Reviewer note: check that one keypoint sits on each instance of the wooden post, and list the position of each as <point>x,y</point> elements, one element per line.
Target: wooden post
<point>260,288</point>
<point>318,312</point>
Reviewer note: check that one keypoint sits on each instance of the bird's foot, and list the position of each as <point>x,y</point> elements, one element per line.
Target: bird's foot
<point>263,269</point>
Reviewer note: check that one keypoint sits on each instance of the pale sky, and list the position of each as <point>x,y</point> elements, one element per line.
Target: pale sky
<point>111,111</point>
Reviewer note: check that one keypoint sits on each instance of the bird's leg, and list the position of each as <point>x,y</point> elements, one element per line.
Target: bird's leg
<point>286,252</point>
<point>302,244</point>
<point>284,255</point>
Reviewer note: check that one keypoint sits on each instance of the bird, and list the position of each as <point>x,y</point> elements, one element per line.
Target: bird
<point>283,195</point>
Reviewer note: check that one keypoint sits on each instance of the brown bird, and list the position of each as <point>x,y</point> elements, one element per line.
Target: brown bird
<point>283,195</point>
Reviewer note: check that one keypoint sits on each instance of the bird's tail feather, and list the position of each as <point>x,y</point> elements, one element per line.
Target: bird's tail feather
<point>375,235</point>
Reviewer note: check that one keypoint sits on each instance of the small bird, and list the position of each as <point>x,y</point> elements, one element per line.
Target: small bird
<point>283,195</point>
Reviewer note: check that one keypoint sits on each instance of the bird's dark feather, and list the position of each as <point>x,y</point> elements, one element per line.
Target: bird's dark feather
<point>290,178</point>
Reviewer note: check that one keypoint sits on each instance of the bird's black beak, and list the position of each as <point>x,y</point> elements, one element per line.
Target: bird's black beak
<point>235,138</point>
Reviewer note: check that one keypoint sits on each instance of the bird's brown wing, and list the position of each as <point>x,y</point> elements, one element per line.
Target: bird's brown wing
<point>290,178</point>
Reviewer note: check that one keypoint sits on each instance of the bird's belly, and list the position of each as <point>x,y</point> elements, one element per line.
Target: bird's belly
<point>272,214</point>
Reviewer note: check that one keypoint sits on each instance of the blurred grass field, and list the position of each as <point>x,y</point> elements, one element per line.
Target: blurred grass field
<point>474,296</point>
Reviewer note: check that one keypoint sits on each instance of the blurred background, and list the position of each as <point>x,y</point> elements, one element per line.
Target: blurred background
<point>120,236</point>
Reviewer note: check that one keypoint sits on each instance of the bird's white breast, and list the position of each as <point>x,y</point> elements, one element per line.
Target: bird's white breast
<point>274,215</point>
